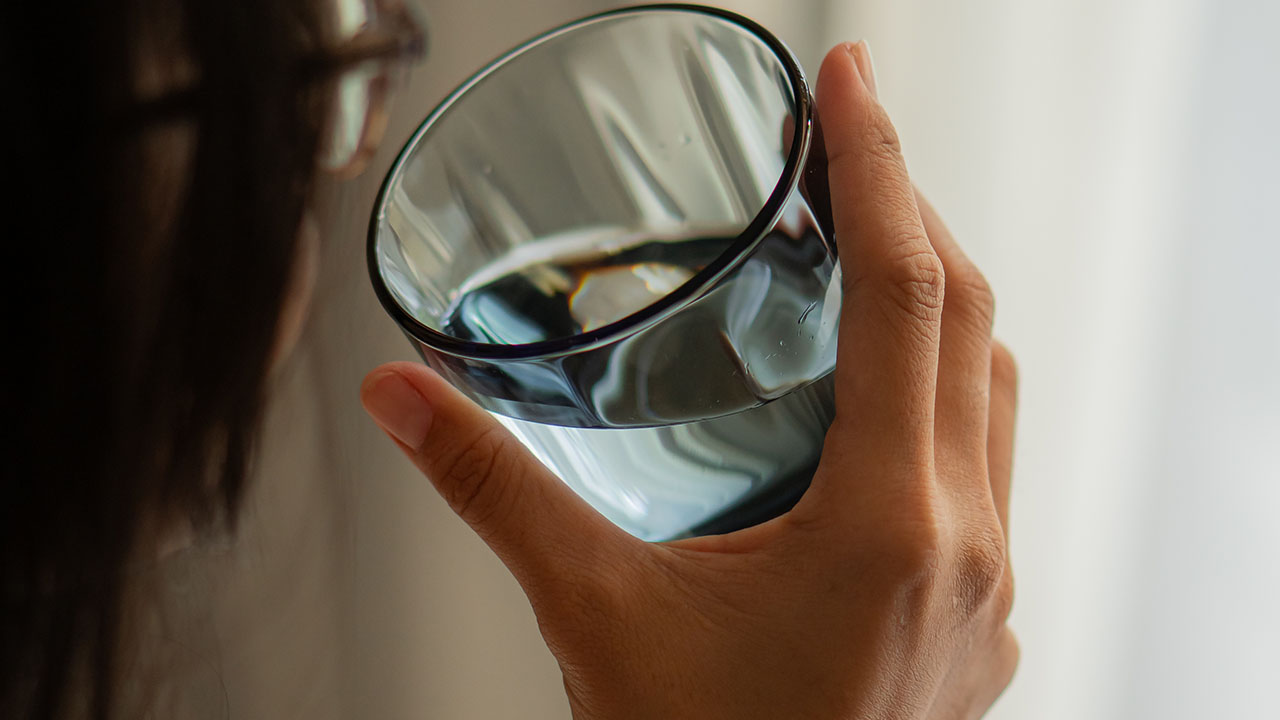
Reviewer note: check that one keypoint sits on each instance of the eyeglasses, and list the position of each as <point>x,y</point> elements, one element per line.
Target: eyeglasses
<point>377,38</point>
<point>365,49</point>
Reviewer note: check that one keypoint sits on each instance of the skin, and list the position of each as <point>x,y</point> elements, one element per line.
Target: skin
<point>883,594</point>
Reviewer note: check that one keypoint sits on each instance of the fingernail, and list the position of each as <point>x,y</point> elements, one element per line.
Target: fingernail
<point>398,407</point>
<point>861,53</point>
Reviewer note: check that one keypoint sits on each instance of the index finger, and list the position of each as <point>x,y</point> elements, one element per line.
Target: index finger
<point>890,324</point>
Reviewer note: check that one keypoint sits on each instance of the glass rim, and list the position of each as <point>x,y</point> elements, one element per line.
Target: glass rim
<point>663,307</point>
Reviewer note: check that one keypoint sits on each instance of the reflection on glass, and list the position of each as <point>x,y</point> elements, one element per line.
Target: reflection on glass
<point>602,239</point>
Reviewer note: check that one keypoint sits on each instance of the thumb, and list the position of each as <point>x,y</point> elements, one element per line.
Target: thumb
<point>534,523</point>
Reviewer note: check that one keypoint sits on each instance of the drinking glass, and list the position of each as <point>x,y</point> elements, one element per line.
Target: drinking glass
<point>617,239</point>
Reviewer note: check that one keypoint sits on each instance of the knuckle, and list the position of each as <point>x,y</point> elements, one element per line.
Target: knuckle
<point>979,566</point>
<point>883,136</point>
<point>469,477</point>
<point>915,285</point>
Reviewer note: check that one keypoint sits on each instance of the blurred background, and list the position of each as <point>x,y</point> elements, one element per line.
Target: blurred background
<point>1112,167</point>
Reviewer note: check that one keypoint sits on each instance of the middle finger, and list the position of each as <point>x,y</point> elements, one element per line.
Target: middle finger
<point>964,357</point>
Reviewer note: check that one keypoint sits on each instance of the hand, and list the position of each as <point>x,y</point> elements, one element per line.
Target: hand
<point>882,594</point>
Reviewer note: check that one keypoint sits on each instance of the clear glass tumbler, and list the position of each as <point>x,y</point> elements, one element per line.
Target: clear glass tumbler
<point>617,239</point>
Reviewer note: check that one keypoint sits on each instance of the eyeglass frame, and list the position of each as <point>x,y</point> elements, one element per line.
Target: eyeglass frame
<point>392,38</point>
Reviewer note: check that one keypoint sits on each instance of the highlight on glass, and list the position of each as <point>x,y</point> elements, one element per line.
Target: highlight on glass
<point>617,239</point>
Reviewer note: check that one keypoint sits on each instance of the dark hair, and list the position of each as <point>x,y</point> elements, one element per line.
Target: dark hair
<point>162,152</point>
